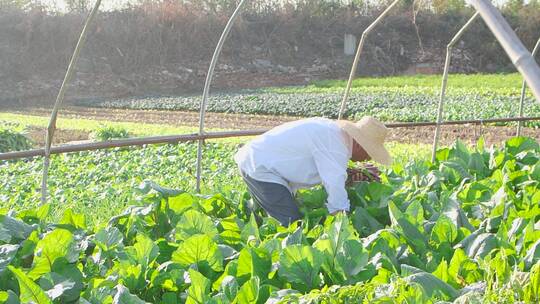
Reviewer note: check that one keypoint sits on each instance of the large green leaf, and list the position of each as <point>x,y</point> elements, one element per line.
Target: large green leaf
<point>444,231</point>
<point>475,192</point>
<point>12,229</point>
<point>364,222</point>
<point>123,296</point>
<point>312,198</point>
<point>462,270</point>
<point>199,291</point>
<point>374,195</point>
<point>180,203</point>
<point>144,252</point>
<point>300,265</point>
<point>199,250</point>
<point>432,285</point>
<point>517,145</point>
<point>415,213</point>
<point>533,254</point>
<point>65,272</point>
<point>250,232</point>
<point>58,288</point>
<point>230,270</point>
<point>72,220</point>
<point>532,289</point>
<point>7,253</point>
<point>478,166</point>
<point>336,232</point>
<point>295,238</point>
<point>35,215</point>
<point>253,262</point>
<point>109,238</point>
<point>442,271</point>
<point>459,151</point>
<point>415,238</point>
<point>482,245</point>
<point>454,172</point>
<point>455,213</point>
<point>130,275</point>
<point>351,259</point>
<point>249,292</point>
<point>229,287</point>
<point>168,276</point>
<point>228,252</point>
<point>57,244</point>
<point>30,291</point>
<point>169,298</point>
<point>192,223</point>
<point>331,244</point>
<point>99,291</point>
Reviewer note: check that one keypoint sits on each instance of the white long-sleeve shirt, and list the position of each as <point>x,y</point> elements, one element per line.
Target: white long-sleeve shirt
<point>301,154</point>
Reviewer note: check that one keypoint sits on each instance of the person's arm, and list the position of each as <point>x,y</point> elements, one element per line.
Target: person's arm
<point>332,168</point>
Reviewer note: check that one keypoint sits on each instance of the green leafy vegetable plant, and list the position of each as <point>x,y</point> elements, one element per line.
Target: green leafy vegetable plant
<point>460,229</point>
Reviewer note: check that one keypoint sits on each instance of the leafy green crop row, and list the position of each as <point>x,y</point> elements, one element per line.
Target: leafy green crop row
<point>99,183</point>
<point>465,228</point>
<point>109,132</point>
<point>492,82</point>
<point>388,104</point>
<point>13,138</point>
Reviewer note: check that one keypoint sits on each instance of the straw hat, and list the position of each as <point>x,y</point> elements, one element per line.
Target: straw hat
<point>369,133</point>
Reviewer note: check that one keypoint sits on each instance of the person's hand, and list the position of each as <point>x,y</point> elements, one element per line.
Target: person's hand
<point>367,173</point>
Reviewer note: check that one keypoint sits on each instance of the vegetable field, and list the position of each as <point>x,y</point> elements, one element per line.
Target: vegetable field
<point>464,229</point>
<point>407,99</point>
<point>100,183</point>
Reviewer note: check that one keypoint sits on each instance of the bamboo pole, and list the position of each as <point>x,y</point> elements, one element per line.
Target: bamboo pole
<point>524,89</point>
<point>174,139</point>
<point>60,98</point>
<point>207,83</point>
<point>442,96</point>
<point>358,54</point>
<point>511,44</point>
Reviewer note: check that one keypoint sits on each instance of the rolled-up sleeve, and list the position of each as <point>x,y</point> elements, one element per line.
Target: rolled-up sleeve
<point>332,168</point>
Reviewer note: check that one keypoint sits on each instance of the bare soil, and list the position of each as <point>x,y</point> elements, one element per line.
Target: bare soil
<point>413,135</point>
<point>61,136</point>
<point>466,133</point>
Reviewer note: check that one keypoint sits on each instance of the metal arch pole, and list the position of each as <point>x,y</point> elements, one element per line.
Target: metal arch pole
<point>445,82</point>
<point>514,48</point>
<point>358,53</point>
<point>60,98</point>
<point>523,90</point>
<point>207,83</point>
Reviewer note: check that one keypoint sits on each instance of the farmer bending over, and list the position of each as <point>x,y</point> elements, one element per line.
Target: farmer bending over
<point>305,153</point>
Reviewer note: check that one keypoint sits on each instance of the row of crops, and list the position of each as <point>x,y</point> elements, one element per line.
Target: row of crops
<point>100,183</point>
<point>464,229</point>
<point>13,138</point>
<point>387,104</point>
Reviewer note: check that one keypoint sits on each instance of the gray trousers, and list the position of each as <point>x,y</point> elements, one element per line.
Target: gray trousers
<point>275,199</point>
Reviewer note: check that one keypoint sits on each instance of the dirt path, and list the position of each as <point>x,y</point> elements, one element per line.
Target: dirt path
<point>467,133</point>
